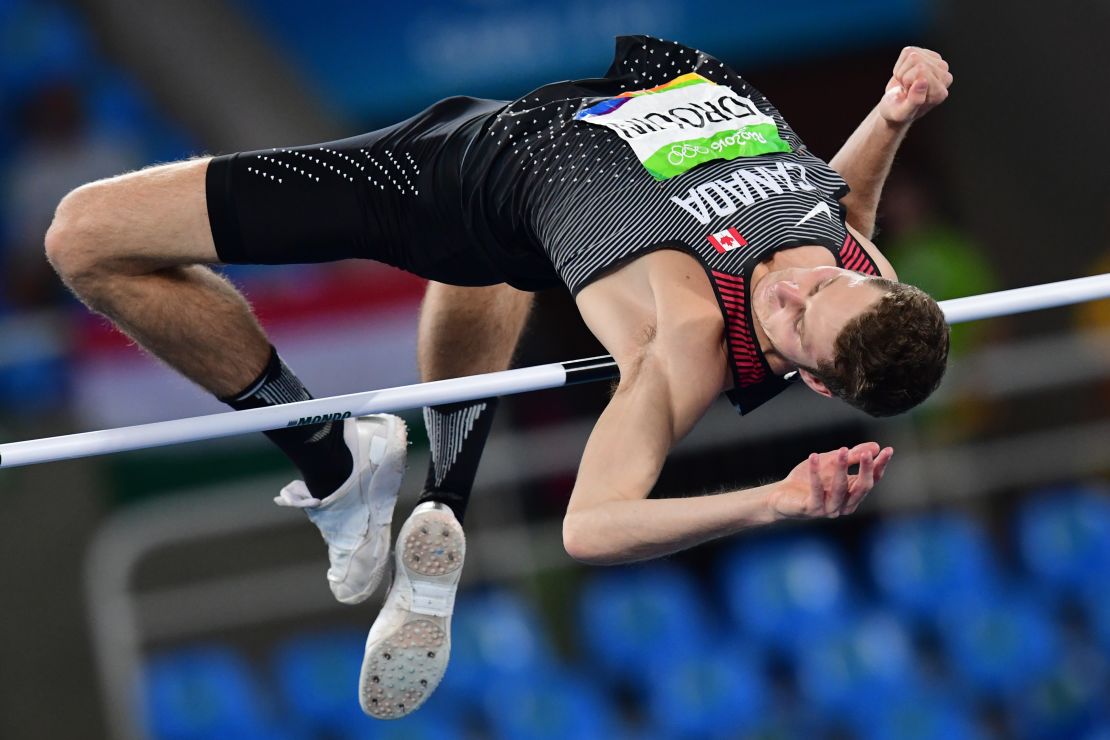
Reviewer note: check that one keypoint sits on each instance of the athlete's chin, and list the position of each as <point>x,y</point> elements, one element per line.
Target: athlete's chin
<point>764,306</point>
<point>761,300</point>
<point>757,316</point>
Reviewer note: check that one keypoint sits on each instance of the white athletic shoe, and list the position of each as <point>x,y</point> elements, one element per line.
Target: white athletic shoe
<point>355,520</point>
<point>408,646</point>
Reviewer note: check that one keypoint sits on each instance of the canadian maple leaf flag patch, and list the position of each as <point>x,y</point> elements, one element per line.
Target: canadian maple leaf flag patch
<point>725,241</point>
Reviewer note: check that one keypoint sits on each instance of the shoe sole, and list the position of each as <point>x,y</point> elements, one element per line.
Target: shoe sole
<point>402,669</point>
<point>387,477</point>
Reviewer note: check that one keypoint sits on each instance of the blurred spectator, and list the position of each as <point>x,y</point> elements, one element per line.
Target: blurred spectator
<point>56,152</point>
<point>931,253</point>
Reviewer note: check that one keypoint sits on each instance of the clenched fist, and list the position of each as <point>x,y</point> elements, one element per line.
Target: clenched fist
<point>919,83</point>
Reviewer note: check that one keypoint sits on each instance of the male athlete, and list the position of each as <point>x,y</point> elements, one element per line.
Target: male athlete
<point>706,248</point>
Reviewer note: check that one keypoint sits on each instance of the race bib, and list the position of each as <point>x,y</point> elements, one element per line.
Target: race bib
<point>685,122</point>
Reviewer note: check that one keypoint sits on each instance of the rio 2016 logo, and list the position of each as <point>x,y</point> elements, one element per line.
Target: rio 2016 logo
<point>738,138</point>
<point>684,151</point>
<point>681,152</point>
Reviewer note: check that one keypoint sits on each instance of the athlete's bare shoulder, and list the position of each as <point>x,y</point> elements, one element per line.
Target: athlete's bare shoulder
<point>662,296</point>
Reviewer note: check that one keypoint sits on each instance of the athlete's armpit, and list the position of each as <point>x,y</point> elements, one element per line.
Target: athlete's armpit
<point>656,403</point>
<point>885,268</point>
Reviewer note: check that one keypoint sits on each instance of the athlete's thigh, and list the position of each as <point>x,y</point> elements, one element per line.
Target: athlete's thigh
<point>469,330</point>
<point>155,217</point>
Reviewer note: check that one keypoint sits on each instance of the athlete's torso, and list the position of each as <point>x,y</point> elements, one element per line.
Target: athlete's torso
<point>580,195</point>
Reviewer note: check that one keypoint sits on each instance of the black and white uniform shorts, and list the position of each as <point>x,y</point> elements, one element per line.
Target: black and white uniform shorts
<point>392,195</point>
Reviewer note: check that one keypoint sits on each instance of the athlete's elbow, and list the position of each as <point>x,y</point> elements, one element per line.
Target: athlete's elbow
<point>582,542</point>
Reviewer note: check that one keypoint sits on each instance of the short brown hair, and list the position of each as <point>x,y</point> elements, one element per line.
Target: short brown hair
<point>892,357</point>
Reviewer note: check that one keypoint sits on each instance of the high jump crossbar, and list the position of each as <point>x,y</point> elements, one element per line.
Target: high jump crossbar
<point>504,383</point>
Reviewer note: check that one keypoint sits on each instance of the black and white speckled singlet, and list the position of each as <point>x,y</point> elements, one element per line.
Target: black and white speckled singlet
<point>578,193</point>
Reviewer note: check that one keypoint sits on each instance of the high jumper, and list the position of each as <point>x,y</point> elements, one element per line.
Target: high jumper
<point>706,247</point>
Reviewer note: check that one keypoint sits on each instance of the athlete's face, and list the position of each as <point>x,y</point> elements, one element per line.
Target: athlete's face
<point>803,309</point>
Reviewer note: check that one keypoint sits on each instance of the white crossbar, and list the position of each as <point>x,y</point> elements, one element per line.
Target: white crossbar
<point>503,383</point>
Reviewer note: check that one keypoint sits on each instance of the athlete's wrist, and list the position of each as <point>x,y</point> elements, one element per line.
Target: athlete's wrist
<point>885,123</point>
<point>768,510</point>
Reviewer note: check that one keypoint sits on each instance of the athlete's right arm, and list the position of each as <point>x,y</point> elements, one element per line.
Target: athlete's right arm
<point>660,321</point>
<point>661,395</point>
<point>610,520</point>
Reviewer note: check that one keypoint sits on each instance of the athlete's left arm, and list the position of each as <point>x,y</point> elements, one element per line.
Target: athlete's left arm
<point>919,82</point>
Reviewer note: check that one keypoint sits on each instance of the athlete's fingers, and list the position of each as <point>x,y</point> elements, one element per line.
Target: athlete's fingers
<point>920,66</point>
<point>931,56</point>
<point>913,55</point>
<point>918,92</point>
<point>906,59</point>
<point>940,78</point>
<point>816,488</point>
<point>856,501</point>
<point>914,75</point>
<point>838,487</point>
<point>881,463</point>
<point>856,453</point>
<point>864,482</point>
<point>866,475</point>
<point>914,91</point>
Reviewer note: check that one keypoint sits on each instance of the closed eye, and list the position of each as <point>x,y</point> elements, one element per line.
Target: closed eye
<point>799,326</point>
<point>823,284</point>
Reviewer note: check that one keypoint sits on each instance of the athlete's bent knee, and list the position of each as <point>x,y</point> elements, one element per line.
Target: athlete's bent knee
<point>71,230</point>
<point>78,237</point>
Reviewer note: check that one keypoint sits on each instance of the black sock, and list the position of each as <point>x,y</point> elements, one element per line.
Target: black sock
<point>318,450</point>
<point>457,435</point>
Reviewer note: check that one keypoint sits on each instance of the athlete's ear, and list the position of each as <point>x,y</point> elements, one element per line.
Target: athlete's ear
<point>814,382</point>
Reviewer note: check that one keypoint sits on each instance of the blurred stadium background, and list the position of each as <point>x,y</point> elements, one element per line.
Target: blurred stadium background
<point>161,594</point>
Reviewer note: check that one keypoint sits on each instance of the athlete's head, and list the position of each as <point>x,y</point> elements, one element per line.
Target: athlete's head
<point>882,346</point>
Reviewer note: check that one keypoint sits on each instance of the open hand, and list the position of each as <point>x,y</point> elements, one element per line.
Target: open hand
<point>920,82</point>
<point>822,487</point>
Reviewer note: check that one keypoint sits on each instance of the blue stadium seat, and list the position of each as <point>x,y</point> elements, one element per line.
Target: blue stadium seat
<point>921,563</point>
<point>1101,730</point>
<point>1064,536</point>
<point>494,635</point>
<point>916,715</point>
<point>632,616</point>
<point>999,644</point>
<point>317,679</point>
<point>1094,598</point>
<point>549,706</point>
<point>785,589</point>
<point>1069,701</point>
<point>716,691</point>
<point>872,656</point>
<point>423,724</point>
<point>39,41</point>
<point>121,109</point>
<point>203,693</point>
